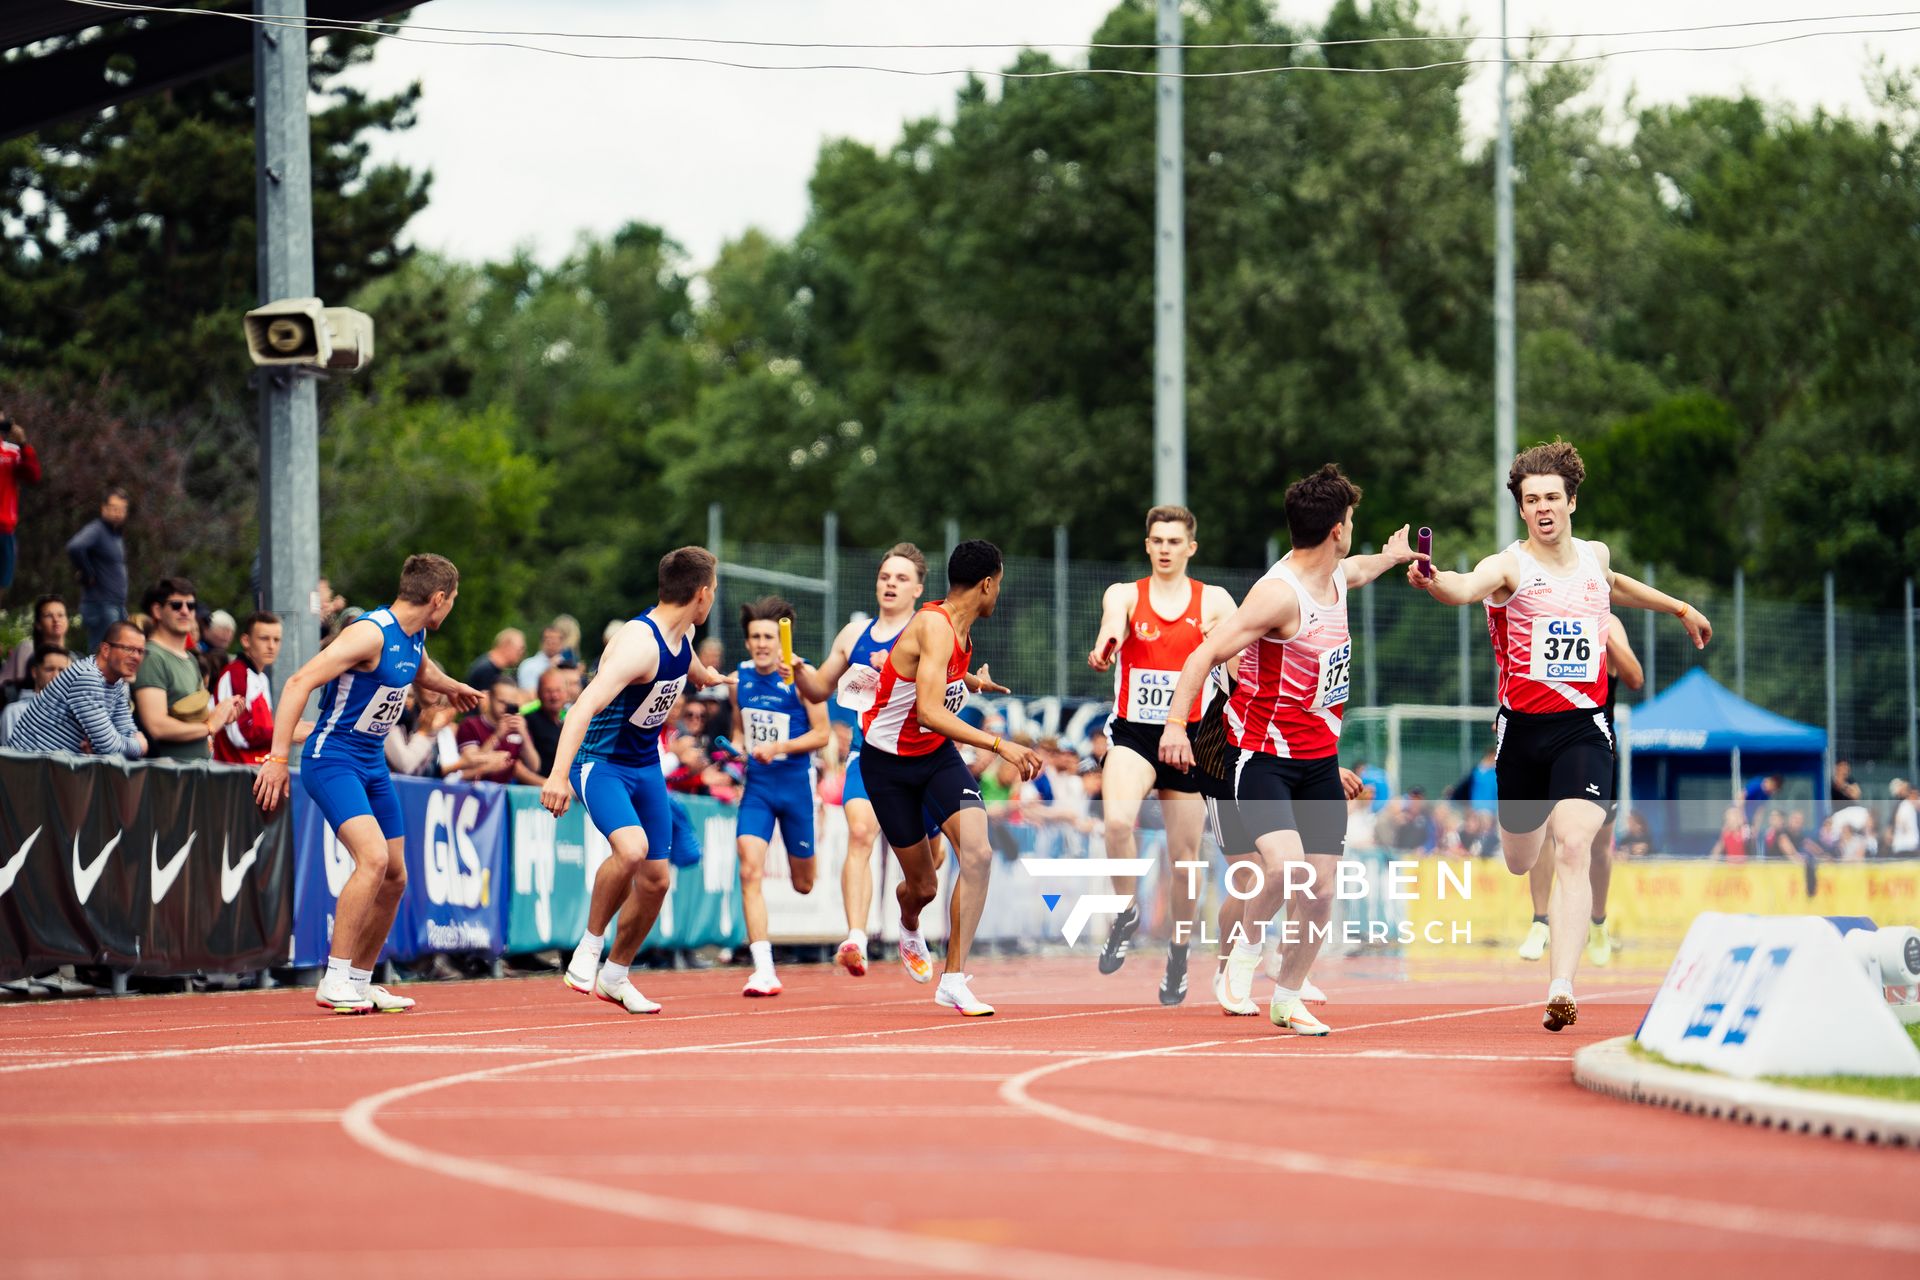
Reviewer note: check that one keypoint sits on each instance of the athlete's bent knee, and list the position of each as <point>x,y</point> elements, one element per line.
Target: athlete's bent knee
<point>801,869</point>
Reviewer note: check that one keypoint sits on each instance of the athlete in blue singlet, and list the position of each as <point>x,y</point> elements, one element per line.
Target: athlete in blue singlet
<point>864,645</point>
<point>609,755</point>
<point>779,731</point>
<point>363,677</point>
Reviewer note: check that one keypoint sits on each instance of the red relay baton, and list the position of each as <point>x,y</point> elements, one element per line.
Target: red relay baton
<point>1423,547</point>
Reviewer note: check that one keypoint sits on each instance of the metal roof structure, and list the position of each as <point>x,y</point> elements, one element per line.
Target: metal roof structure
<point>130,56</point>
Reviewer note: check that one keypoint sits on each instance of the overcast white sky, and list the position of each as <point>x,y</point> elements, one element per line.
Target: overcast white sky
<point>529,149</point>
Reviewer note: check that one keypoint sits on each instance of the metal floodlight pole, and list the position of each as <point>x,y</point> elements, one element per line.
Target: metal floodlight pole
<point>289,414</point>
<point>1463,637</point>
<point>1740,632</point>
<point>1169,272</point>
<point>714,529</point>
<point>1833,687</point>
<point>1913,703</point>
<point>1061,637</point>
<point>1505,519</point>
<point>830,575</point>
<point>1652,643</point>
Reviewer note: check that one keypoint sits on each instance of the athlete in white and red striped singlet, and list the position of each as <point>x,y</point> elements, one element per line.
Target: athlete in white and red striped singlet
<point>1154,623</point>
<point>1290,792</point>
<point>913,770</point>
<point>1547,600</point>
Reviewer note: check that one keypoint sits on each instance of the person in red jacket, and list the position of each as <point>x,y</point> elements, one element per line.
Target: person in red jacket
<point>18,464</point>
<point>247,739</point>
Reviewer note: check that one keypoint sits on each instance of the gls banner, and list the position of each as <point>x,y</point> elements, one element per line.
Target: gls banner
<point>149,867</point>
<point>456,853</point>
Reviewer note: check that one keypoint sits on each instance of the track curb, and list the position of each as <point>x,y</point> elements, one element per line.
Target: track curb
<point>1608,1067</point>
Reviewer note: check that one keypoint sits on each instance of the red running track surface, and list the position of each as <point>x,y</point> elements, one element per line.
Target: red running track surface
<point>514,1129</point>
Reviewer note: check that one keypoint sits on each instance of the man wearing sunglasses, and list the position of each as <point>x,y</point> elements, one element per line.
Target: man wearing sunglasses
<point>170,692</point>
<point>85,710</point>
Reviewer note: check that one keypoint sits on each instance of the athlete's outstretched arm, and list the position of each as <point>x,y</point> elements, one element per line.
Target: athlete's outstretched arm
<point>433,679</point>
<point>1620,653</point>
<point>1638,595</point>
<point>1490,575</point>
<point>702,676</point>
<point>1269,606</point>
<point>633,656</point>
<point>982,681</point>
<point>816,684</point>
<point>1113,625</point>
<point>1361,570</point>
<point>355,646</point>
<point>930,700</point>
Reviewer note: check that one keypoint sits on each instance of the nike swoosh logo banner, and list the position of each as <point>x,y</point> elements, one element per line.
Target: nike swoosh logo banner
<point>113,862</point>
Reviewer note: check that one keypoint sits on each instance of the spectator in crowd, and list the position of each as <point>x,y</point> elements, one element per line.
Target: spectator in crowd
<point>99,556</point>
<point>1851,832</point>
<point>498,726</point>
<point>509,647</point>
<point>1636,841</point>
<point>1093,782</point>
<point>421,744</point>
<point>1376,777</point>
<point>1409,825</point>
<point>247,738</point>
<point>1760,792</point>
<point>18,464</point>
<point>576,678</point>
<point>1363,824</point>
<point>693,718</point>
<point>85,710</point>
<point>1734,834</point>
<point>49,660</point>
<point>170,694</point>
<point>1479,834</point>
<point>1446,832</point>
<point>1904,826</point>
<point>553,644</point>
<point>694,774</point>
<point>1794,844</point>
<point>1844,790</point>
<point>544,721</point>
<point>49,628</point>
<point>717,698</point>
<point>216,637</point>
<point>569,637</point>
<point>1097,744</point>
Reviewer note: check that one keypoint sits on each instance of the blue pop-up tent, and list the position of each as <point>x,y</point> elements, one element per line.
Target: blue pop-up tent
<point>1694,747</point>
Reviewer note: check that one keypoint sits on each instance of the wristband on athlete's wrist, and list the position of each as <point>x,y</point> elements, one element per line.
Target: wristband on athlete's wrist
<point>1681,612</point>
<point>995,748</point>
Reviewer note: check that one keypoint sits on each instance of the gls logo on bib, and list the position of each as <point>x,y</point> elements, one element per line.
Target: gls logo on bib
<point>454,874</point>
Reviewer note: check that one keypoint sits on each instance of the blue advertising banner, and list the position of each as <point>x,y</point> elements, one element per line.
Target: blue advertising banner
<point>551,881</point>
<point>456,851</point>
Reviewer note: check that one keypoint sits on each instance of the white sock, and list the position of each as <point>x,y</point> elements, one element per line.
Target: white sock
<point>947,978</point>
<point>762,956</point>
<point>1245,950</point>
<point>361,979</point>
<point>858,937</point>
<point>1283,994</point>
<point>339,968</point>
<point>1560,987</point>
<point>613,972</point>
<point>591,945</point>
<point>913,936</point>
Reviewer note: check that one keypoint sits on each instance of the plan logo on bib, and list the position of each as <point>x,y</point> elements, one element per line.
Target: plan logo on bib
<point>1098,870</point>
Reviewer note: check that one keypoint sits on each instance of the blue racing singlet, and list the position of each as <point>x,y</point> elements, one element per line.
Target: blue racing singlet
<point>860,654</point>
<point>627,730</point>
<point>358,709</point>
<point>770,711</point>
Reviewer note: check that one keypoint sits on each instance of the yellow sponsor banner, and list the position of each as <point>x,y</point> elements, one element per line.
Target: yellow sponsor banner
<point>1653,902</point>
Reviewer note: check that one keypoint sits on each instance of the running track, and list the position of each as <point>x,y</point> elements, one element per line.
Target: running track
<point>512,1129</point>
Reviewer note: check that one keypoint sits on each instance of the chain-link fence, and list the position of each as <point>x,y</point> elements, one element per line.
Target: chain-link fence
<point>1410,650</point>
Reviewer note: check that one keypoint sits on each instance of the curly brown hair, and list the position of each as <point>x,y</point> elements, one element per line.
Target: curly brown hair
<point>1556,459</point>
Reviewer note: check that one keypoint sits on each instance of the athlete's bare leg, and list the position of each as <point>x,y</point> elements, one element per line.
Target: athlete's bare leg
<point>614,881</point>
<point>1600,870</point>
<point>1540,885</point>
<point>973,855</point>
<point>1186,819</point>
<point>919,882</point>
<point>1574,824</point>
<point>1125,780</point>
<point>1307,916</point>
<point>753,894</point>
<point>1522,848</point>
<point>641,909</point>
<point>371,894</point>
<point>856,877</point>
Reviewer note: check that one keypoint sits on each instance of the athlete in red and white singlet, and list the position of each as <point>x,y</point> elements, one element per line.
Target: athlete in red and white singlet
<point>890,724</point>
<point>1151,626</point>
<point>1289,790</point>
<point>913,771</point>
<point>1548,599</point>
<point>1550,635</point>
<point>1292,692</point>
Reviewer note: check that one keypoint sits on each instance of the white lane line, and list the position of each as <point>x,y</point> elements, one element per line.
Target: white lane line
<point>1434,1180</point>
<point>890,1249</point>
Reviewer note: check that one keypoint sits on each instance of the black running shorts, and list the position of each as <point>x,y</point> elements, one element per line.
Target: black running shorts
<point>907,790</point>
<point>1229,832</point>
<point>1144,741</point>
<point>1541,760</point>
<point>1272,794</point>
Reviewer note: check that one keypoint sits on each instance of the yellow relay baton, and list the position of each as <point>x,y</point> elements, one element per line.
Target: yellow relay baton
<point>786,645</point>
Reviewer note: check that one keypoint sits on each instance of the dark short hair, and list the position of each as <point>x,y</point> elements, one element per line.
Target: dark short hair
<point>40,603</point>
<point>41,652</point>
<point>769,609</point>
<point>116,631</point>
<point>1556,459</point>
<point>1317,503</point>
<point>115,492</point>
<point>504,682</point>
<point>169,586</point>
<point>260,619</point>
<point>972,562</point>
<point>684,571</point>
<point>425,575</point>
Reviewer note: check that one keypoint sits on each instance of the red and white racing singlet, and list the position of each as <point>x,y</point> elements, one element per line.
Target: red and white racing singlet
<point>1550,637</point>
<point>890,723</point>
<point>1151,657</point>
<point>1293,692</point>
